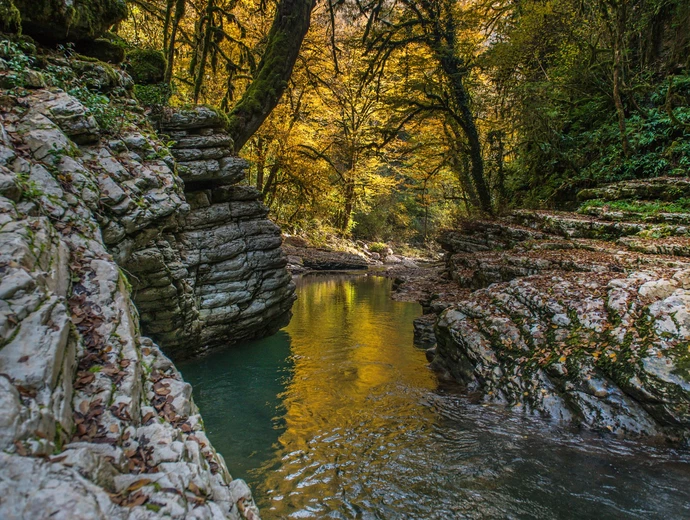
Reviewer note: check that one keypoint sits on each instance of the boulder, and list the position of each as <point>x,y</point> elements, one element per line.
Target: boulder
<point>582,349</point>
<point>103,49</point>
<point>56,21</point>
<point>570,318</point>
<point>146,66</point>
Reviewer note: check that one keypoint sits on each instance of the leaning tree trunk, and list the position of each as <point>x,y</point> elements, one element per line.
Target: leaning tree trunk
<point>455,71</point>
<point>618,44</point>
<point>285,38</point>
<point>466,122</point>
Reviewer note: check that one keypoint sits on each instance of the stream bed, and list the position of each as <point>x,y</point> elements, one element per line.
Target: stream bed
<point>338,416</point>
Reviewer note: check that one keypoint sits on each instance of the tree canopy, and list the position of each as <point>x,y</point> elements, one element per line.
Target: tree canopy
<point>387,119</point>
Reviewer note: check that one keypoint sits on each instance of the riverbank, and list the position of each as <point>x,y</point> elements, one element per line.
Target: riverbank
<point>582,318</point>
<point>576,317</point>
<point>101,243</point>
<point>339,414</point>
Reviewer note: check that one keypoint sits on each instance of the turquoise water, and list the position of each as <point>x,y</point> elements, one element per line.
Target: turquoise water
<point>337,416</point>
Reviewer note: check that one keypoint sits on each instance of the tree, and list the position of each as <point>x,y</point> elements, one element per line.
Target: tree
<point>211,54</point>
<point>290,26</point>
<point>435,25</point>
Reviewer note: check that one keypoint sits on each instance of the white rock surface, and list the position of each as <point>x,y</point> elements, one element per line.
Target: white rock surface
<point>92,415</point>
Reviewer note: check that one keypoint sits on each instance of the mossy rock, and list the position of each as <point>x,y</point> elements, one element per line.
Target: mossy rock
<point>59,21</point>
<point>103,50</point>
<point>97,75</point>
<point>146,66</point>
<point>10,17</point>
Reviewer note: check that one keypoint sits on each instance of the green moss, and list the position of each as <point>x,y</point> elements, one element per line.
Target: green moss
<point>10,17</point>
<point>146,66</point>
<point>377,247</point>
<point>681,205</point>
<point>103,50</point>
<point>681,360</point>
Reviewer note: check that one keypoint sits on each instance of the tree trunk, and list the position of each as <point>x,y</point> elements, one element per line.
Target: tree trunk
<point>207,31</point>
<point>618,44</point>
<point>348,206</point>
<point>496,139</point>
<point>271,184</point>
<point>454,70</point>
<point>172,39</point>
<point>285,38</point>
<point>477,170</point>
<point>260,163</point>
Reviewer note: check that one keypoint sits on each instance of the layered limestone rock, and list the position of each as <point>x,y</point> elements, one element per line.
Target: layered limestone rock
<point>96,422</point>
<point>219,277</point>
<point>659,188</point>
<point>586,332</point>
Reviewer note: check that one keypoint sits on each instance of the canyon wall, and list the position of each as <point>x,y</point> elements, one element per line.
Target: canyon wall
<point>101,243</point>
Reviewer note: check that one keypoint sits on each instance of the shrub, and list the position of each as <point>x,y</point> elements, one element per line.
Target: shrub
<point>153,95</point>
<point>377,247</point>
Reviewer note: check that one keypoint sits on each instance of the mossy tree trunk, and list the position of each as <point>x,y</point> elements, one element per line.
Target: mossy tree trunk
<point>172,20</point>
<point>289,28</point>
<point>455,69</point>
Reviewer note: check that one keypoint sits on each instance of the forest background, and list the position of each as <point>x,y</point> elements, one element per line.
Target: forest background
<point>401,116</point>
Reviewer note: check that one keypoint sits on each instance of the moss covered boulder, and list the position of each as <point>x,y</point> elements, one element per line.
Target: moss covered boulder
<point>146,66</point>
<point>103,49</point>
<point>57,21</point>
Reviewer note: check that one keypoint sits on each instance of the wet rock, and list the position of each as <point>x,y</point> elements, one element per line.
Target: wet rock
<point>424,331</point>
<point>219,276</point>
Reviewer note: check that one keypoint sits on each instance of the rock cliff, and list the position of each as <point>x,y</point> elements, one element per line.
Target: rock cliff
<point>217,274</point>
<point>96,422</point>
<point>569,316</point>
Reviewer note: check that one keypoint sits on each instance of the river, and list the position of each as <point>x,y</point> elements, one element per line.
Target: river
<point>338,416</point>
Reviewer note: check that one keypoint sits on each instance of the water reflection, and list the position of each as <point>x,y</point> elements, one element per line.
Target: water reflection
<point>338,417</point>
<point>355,402</point>
<point>238,393</point>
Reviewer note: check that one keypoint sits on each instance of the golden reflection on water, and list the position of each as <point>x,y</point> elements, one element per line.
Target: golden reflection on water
<point>355,399</point>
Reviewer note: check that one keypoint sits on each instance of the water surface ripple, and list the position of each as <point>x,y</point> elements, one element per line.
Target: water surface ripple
<point>337,416</point>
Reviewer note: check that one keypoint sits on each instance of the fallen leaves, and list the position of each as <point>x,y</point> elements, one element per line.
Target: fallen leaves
<point>84,379</point>
<point>130,500</point>
<point>139,484</point>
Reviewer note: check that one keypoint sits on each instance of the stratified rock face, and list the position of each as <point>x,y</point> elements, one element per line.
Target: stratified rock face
<point>660,188</point>
<point>69,21</point>
<point>95,422</point>
<point>220,277</point>
<point>581,331</point>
